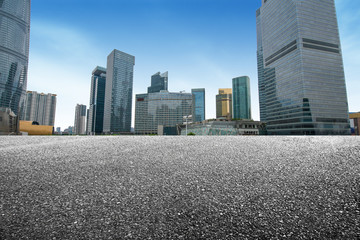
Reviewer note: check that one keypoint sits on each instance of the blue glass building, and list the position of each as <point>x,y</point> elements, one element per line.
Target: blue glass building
<point>159,81</point>
<point>118,92</point>
<point>95,118</point>
<point>241,98</point>
<point>301,75</point>
<point>198,104</point>
<point>14,53</point>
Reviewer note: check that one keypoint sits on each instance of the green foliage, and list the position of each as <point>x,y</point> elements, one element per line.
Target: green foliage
<point>191,134</point>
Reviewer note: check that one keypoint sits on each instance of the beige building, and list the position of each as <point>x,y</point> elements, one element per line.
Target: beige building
<point>355,123</point>
<point>33,129</point>
<point>224,103</point>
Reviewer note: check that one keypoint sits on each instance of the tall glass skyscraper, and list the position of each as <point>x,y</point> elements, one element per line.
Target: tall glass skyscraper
<point>301,75</point>
<point>14,53</point>
<point>95,118</point>
<point>118,92</point>
<point>159,81</point>
<point>198,104</point>
<point>241,98</point>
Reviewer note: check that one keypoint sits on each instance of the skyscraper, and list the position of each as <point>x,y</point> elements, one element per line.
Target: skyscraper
<point>118,92</point>
<point>159,81</point>
<point>40,107</point>
<point>97,97</point>
<point>224,103</point>
<point>198,104</point>
<point>301,76</point>
<point>14,53</point>
<point>80,117</point>
<point>241,98</point>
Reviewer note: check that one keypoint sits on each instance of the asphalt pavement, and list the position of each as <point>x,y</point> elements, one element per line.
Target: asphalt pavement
<point>152,187</point>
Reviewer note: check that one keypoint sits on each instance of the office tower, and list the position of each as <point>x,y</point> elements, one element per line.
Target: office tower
<point>162,108</point>
<point>40,107</point>
<point>159,81</point>
<point>95,119</point>
<point>118,92</point>
<point>224,103</point>
<point>301,76</point>
<point>241,98</point>
<point>198,104</point>
<point>80,117</point>
<point>14,53</point>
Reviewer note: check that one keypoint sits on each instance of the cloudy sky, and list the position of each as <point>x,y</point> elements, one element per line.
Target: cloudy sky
<point>202,43</point>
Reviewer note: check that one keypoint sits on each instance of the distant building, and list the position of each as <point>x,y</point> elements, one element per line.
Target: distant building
<point>118,92</point>
<point>355,123</point>
<point>198,104</point>
<point>80,117</point>
<point>68,131</point>
<point>58,129</point>
<point>224,103</point>
<point>223,128</point>
<point>300,67</point>
<point>159,81</point>
<point>14,54</point>
<point>40,107</point>
<point>241,99</point>
<point>95,119</point>
<point>165,109</point>
<point>8,122</point>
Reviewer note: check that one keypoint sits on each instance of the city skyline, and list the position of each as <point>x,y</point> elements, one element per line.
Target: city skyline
<point>199,51</point>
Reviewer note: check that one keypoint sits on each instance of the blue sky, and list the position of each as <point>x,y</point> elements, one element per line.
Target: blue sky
<point>202,43</point>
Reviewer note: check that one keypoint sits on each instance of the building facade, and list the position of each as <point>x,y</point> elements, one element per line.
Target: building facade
<point>198,104</point>
<point>355,123</point>
<point>241,98</point>
<point>95,116</point>
<point>118,92</point>
<point>14,53</point>
<point>222,128</point>
<point>159,81</point>
<point>80,119</point>
<point>224,103</point>
<point>163,108</point>
<point>40,107</point>
<point>301,76</point>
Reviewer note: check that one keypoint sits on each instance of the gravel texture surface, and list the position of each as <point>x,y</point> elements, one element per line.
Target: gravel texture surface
<point>179,187</point>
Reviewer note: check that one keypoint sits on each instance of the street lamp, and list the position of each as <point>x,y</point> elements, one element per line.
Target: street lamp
<point>186,119</point>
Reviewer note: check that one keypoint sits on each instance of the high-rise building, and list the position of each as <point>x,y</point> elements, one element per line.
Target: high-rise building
<point>14,53</point>
<point>40,107</point>
<point>80,117</point>
<point>301,75</point>
<point>163,108</point>
<point>159,81</point>
<point>224,103</point>
<point>95,116</point>
<point>118,92</point>
<point>241,99</point>
<point>198,104</point>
